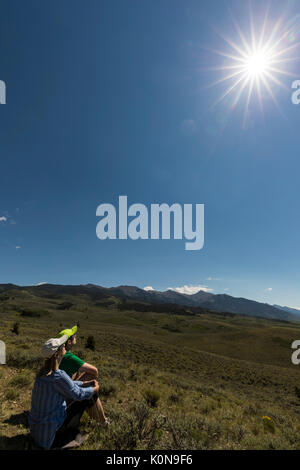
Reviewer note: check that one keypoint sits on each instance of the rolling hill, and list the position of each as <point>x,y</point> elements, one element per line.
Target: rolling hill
<point>202,300</point>
<point>171,376</point>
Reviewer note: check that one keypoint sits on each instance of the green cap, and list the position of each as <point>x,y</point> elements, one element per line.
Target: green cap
<point>68,332</point>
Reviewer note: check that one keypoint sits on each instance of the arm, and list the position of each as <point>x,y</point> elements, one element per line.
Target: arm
<point>78,382</point>
<point>71,390</point>
<point>87,368</point>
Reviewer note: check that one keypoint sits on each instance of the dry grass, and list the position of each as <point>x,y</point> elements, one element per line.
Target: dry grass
<point>167,382</point>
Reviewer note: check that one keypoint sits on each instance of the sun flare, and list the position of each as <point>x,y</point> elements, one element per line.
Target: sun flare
<point>255,65</point>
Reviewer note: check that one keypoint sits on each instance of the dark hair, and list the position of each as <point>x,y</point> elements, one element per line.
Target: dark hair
<point>71,339</point>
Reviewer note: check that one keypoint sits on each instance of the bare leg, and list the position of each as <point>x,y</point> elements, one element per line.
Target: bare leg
<point>95,412</point>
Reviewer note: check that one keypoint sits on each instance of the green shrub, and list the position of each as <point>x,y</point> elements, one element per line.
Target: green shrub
<point>132,375</point>
<point>90,343</point>
<point>11,394</point>
<point>107,389</point>
<point>23,359</point>
<point>64,306</point>
<point>121,434</point>
<point>190,432</point>
<point>174,398</point>
<point>129,430</point>
<point>152,397</point>
<point>22,379</point>
<point>297,392</point>
<point>31,313</point>
<point>141,412</point>
<point>250,410</point>
<point>172,328</point>
<point>16,328</point>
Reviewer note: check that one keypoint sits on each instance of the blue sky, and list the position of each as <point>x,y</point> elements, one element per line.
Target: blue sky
<point>112,98</point>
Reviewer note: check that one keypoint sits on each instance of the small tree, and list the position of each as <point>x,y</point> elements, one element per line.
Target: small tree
<point>90,343</point>
<point>16,328</point>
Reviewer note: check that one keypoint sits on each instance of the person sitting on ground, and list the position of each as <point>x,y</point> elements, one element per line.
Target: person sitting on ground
<point>73,365</point>
<point>77,369</point>
<point>52,423</point>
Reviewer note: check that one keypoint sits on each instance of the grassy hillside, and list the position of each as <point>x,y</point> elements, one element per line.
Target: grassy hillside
<point>168,381</point>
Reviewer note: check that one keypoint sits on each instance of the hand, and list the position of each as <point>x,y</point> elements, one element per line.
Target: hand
<point>96,388</point>
<point>89,383</point>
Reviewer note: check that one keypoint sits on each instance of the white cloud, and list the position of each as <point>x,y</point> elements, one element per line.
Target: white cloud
<point>3,219</point>
<point>41,283</point>
<point>148,288</point>
<point>190,290</point>
<point>18,247</point>
<point>213,279</point>
<point>269,289</point>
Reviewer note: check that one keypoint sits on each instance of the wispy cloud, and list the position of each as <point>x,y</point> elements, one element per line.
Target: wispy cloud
<point>7,219</point>
<point>147,288</point>
<point>213,279</point>
<point>269,289</point>
<point>18,247</point>
<point>190,290</point>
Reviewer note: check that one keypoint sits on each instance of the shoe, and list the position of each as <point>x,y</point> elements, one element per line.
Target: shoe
<point>80,438</point>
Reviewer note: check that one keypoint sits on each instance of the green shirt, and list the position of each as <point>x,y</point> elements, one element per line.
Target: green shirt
<point>71,363</point>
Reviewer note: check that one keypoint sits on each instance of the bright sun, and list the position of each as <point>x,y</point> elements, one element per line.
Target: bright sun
<point>256,64</point>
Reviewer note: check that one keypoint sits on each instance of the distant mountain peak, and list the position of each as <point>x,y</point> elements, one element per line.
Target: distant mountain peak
<point>202,299</point>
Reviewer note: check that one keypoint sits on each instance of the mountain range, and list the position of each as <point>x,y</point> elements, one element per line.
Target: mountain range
<point>215,302</point>
<point>207,300</point>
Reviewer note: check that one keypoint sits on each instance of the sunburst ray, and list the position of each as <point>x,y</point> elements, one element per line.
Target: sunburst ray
<point>253,65</point>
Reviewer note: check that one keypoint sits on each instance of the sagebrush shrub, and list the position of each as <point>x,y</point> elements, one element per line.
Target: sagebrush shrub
<point>90,343</point>
<point>151,396</point>
<point>22,379</point>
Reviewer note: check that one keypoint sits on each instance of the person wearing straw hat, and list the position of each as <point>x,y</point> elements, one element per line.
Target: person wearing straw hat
<point>77,369</point>
<point>51,421</point>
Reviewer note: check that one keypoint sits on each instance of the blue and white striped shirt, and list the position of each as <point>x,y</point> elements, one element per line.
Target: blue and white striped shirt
<point>48,404</point>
